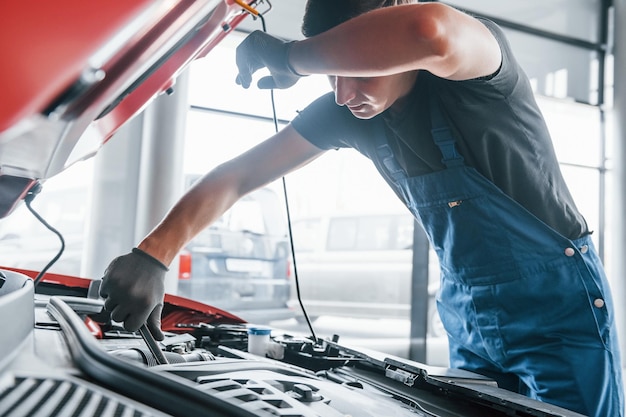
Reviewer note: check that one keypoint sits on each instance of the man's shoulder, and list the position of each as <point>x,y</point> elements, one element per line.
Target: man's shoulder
<point>491,25</point>
<point>328,125</point>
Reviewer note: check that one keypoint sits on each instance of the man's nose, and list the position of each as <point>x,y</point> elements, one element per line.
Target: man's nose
<point>345,90</point>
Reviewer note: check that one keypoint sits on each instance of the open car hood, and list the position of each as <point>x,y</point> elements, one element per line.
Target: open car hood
<point>59,355</point>
<point>74,71</point>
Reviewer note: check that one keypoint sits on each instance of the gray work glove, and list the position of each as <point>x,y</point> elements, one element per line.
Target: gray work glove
<point>133,287</point>
<point>260,50</point>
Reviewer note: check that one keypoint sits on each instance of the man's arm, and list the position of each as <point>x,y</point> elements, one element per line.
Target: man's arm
<point>390,40</point>
<point>219,189</point>
<point>133,284</point>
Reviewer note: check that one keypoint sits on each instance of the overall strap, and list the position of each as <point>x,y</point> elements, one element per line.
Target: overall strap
<point>442,134</point>
<point>386,157</point>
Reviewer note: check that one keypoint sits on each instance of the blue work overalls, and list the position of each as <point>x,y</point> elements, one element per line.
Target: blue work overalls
<point>521,303</point>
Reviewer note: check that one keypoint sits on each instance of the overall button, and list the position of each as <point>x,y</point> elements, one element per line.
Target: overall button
<point>584,249</point>
<point>569,252</point>
<point>598,302</point>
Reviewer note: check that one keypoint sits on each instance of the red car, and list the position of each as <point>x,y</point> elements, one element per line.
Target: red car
<point>74,72</point>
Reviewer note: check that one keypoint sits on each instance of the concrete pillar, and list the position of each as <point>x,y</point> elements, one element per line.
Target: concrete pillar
<point>112,199</point>
<point>138,175</point>
<point>618,250</point>
<point>419,296</point>
<point>161,179</point>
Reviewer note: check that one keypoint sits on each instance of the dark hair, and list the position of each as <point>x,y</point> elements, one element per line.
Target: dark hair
<point>321,15</point>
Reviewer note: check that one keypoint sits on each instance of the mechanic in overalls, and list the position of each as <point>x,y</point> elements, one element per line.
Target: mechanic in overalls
<point>436,99</point>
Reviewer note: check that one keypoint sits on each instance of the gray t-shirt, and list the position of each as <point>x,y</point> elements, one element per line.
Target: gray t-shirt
<point>499,128</point>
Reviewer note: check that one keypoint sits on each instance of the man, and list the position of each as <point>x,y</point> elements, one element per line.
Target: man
<point>436,99</point>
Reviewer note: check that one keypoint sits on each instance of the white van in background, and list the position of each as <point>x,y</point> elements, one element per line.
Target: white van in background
<point>360,266</point>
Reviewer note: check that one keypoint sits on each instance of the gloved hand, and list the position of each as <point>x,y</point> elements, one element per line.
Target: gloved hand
<point>133,287</point>
<point>260,50</point>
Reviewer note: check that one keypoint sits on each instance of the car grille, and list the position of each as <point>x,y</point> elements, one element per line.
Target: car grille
<point>35,396</point>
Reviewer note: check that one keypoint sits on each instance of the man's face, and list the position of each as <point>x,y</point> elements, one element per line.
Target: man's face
<point>367,97</point>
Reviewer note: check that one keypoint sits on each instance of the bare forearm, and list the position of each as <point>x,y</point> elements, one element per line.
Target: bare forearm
<point>381,42</point>
<point>391,40</point>
<point>204,203</point>
<point>218,190</point>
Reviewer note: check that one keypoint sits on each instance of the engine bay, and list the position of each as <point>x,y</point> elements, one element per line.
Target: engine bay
<point>63,356</point>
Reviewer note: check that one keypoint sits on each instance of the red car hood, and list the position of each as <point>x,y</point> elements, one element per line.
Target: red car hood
<point>75,71</point>
<point>179,313</point>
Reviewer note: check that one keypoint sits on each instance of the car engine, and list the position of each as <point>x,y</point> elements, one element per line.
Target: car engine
<point>60,355</point>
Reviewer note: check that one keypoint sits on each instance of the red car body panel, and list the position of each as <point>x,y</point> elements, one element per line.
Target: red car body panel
<point>74,72</point>
<point>178,312</point>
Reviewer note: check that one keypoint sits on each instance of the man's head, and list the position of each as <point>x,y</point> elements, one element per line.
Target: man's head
<point>365,97</point>
<point>321,15</point>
